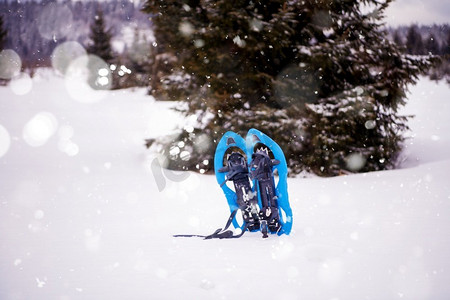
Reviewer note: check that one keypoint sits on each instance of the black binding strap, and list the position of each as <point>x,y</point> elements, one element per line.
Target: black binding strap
<point>220,233</point>
<point>237,171</point>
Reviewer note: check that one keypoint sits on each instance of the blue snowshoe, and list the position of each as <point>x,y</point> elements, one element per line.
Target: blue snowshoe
<point>231,152</point>
<point>267,159</point>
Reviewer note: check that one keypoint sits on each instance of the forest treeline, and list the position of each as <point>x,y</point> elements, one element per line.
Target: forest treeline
<point>426,40</point>
<point>22,23</point>
<point>33,29</point>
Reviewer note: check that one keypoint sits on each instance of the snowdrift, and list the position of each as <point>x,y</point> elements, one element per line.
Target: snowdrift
<point>82,217</point>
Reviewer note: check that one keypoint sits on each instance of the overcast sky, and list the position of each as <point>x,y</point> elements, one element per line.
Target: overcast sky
<point>428,12</point>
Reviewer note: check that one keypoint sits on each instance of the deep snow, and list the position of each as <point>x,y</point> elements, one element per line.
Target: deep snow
<point>81,216</point>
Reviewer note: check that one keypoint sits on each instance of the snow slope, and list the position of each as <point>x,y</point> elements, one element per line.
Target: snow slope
<point>81,216</point>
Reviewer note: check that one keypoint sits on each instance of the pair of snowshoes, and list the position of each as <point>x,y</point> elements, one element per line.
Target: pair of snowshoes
<point>251,166</point>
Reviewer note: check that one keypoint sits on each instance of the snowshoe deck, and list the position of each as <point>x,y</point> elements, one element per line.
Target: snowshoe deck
<point>261,146</point>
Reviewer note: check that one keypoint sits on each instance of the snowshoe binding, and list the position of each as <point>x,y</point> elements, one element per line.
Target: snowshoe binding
<point>261,171</point>
<point>237,172</point>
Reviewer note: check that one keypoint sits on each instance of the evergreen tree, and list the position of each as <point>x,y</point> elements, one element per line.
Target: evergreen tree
<point>169,40</point>
<point>354,125</point>
<point>3,34</point>
<point>320,77</point>
<point>414,42</point>
<point>100,75</point>
<point>446,45</point>
<point>100,38</point>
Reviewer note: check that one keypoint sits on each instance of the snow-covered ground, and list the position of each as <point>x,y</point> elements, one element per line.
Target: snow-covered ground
<point>81,216</point>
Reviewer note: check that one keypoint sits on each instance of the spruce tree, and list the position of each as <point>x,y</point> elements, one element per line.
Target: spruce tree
<point>414,42</point>
<point>100,75</point>
<point>446,46</point>
<point>100,38</point>
<point>354,125</point>
<point>320,77</point>
<point>3,34</point>
<point>170,42</point>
